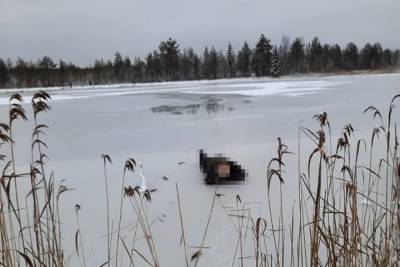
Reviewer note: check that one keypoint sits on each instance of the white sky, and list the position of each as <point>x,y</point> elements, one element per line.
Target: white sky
<point>82,30</point>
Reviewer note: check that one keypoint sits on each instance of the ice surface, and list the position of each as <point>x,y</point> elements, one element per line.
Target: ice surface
<point>118,120</point>
<point>292,88</point>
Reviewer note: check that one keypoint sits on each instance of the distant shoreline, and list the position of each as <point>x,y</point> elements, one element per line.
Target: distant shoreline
<point>206,81</point>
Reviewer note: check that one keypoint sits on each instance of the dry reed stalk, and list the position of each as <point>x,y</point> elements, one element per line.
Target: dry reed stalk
<point>183,238</point>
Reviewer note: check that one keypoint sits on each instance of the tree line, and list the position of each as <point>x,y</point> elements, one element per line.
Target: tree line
<point>171,63</point>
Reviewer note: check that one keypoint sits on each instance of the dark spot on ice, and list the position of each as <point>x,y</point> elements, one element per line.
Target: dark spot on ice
<point>177,110</point>
<point>208,103</point>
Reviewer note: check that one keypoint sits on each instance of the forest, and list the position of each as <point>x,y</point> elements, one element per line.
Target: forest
<point>169,62</point>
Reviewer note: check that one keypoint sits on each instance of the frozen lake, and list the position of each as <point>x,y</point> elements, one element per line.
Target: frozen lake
<point>163,126</point>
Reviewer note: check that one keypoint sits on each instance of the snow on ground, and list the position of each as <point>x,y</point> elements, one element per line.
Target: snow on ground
<point>290,88</point>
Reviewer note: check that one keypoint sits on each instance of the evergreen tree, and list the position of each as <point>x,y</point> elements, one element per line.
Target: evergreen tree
<point>4,75</point>
<point>230,57</point>
<point>350,55</point>
<point>396,58</point>
<point>297,56</point>
<point>337,57</point>
<point>127,70</point>
<point>316,54</point>
<point>156,66</point>
<point>276,65</point>
<point>169,51</point>
<point>118,66</point>
<point>261,61</point>
<point>46,66</point>
<point>326,58</point>
<point>185,65</point>
<point>47,63</point>
<point>366,56</point>
<point>149,67</point>
<point>223,67</point>
<point>98,71</point>
<point>243,64</point>
<point>386,58</point>
<point>371,56</point>
<point>213,64</point>
<point>307,57</point>
<point>109,75</point>
<point>196,67</point>
<point>205,67</point>
<point>376,54</point>
<point>284,54</point>
<point>138,70</point>
<point>194,64</point>
<point>62,72</point>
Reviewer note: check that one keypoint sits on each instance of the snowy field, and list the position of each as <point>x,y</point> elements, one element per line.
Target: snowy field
<point>162,125</point>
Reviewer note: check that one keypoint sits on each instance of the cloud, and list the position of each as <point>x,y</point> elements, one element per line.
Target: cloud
<point>81,31</point>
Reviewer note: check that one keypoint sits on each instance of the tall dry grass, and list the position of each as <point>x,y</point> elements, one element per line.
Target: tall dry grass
<point>30,234</point>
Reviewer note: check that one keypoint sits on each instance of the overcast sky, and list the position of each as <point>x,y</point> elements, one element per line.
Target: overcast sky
<point>82,30</point>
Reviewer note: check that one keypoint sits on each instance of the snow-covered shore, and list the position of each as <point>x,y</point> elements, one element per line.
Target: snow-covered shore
<point>200,82</point>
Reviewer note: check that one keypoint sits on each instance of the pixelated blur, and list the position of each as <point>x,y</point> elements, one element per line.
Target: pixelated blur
<point>219,169</point>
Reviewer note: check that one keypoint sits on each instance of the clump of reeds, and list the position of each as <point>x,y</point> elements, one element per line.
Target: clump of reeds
<point>352,218</point>
<point>30,235</point>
